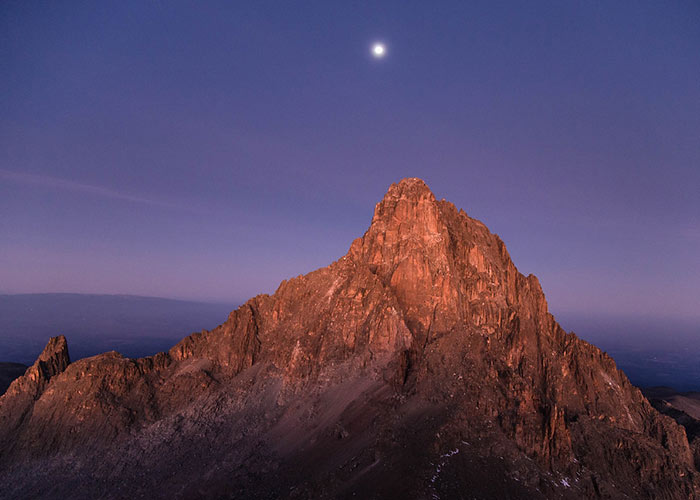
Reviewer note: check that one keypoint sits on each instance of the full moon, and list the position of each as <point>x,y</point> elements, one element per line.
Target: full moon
<point>378,50</point>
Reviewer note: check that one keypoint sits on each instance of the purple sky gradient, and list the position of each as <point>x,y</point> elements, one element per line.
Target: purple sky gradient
<point>209,150</point>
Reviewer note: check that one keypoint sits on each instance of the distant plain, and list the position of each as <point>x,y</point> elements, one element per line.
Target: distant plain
<point>132,325</point>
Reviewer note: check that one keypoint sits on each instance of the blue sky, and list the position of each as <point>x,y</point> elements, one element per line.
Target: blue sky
<point>208,150</point>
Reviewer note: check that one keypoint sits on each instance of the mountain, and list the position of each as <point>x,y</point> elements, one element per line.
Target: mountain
<point>421,364</point>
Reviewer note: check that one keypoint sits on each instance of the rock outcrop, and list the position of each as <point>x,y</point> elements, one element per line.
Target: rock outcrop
<point>422,364</point>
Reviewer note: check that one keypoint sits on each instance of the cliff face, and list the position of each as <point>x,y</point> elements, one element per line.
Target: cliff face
<point>420,364</point>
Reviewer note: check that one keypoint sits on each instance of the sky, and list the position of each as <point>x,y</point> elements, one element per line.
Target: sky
<point>209,150</point>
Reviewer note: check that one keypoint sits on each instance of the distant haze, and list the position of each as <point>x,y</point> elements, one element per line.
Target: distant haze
<point>651,351</point>
<point>133,326</point>
<point>210,150</point>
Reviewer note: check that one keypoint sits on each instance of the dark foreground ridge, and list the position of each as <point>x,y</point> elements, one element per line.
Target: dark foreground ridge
<point>422,364</point>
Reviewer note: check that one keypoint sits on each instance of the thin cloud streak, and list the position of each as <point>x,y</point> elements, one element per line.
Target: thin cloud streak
<point>65,185</point>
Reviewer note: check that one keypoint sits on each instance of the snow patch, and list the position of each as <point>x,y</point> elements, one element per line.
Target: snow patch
<point>445,457</point>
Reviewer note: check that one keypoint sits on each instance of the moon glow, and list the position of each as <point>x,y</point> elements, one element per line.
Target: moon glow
<point>378,50</point>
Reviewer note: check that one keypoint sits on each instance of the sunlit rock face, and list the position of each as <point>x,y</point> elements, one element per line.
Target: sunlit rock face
<point>420,364</point>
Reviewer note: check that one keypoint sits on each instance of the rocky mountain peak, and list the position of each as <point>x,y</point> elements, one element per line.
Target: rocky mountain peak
<point>443,267</point>
<point>410,189</point>
<point>408,207</point>
<point>55,355</point>
<point>417,365</point>
<point>52,361</point>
